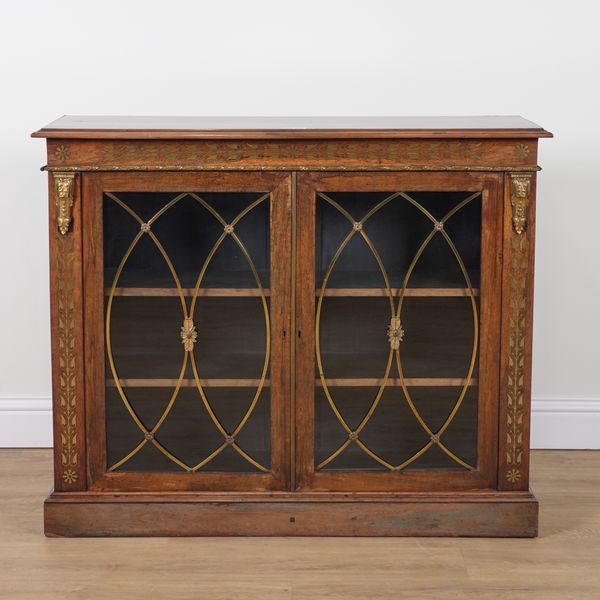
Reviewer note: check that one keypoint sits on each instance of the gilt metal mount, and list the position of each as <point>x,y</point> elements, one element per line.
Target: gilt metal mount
<point>189,335</point>
<point>520,191</point>
<point>64,192</point>
<point>395,333</point>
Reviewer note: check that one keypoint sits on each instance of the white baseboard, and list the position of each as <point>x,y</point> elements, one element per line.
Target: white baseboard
<point>559,423</point>
<point>26,422</point>
<point>565,423</point>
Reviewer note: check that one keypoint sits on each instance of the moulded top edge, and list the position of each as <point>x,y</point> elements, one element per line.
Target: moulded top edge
<point>139,127</point>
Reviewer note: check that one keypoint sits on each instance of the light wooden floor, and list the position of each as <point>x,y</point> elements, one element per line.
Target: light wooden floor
<point>563,563</point>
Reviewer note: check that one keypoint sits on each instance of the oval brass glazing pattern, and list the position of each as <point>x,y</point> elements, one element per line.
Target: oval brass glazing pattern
<point>148,435</point>
<point>357,227</point>
<point>434,437</point>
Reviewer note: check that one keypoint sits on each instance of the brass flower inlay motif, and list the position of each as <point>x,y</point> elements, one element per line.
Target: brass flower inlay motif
<point>522,151</point>
<point>62,152</point>
<point>395,333</point>
<point>513,475</point>
<point>69,476</point>
<point>189,335</point>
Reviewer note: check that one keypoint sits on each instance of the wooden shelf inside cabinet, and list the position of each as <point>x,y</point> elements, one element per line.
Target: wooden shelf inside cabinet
<point>163,292</point>
<point>329,292</point>
<point>355,359</point>
<point>337,382</point>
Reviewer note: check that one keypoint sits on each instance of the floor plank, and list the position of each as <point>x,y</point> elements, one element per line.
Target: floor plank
<point>563,563</point>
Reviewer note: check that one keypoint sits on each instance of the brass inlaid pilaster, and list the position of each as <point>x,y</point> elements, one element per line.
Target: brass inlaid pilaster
<point>67,376</point>
<point>67,384</point>
<point>517,252</point>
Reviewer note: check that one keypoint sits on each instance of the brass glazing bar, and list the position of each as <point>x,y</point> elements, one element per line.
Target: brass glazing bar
<point>357,227</point>
<point>229,230</point>
<point>149,435</point>
<point>438,227</point>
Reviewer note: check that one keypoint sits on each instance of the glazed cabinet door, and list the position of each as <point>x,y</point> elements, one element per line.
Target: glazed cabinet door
<point>398,328</point>
<point>187,292</point>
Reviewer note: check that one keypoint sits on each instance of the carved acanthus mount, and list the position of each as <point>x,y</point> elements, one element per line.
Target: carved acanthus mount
<point>520,190</point>
<point>64,192</point>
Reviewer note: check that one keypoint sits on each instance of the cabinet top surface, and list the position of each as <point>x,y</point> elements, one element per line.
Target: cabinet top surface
<point>138,127</point>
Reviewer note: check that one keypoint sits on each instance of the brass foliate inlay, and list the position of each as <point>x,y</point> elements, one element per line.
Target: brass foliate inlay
<point>64,190</point>
<point>520,190</point>
<point>515,384</point>
<point>395,333</point>
<point>67,442</point>
<point>189,335</point>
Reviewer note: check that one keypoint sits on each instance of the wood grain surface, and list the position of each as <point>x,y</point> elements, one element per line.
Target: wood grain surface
<point>289,127</point>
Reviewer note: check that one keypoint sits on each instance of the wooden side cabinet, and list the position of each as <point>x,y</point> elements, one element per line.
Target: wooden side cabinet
<point>291,326</point>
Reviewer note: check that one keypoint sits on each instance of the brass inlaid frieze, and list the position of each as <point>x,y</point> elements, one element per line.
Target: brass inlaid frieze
<point>64,192</point>
<point>338,154</point>
<point>520,190</point>
<point>67,377</point>
<point>226,151</point>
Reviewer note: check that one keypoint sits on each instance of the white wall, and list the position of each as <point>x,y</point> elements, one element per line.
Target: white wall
<point>540,59</point>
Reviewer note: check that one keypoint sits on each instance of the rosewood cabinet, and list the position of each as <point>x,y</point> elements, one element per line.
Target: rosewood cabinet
<point>291,326</point>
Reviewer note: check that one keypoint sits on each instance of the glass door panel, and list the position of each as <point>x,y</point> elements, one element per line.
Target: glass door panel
<point>188,330</point>
<point>397,323</point>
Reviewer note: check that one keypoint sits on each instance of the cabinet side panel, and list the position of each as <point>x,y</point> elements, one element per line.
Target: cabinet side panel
<point>517,323</point>
<point>66,310</point>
